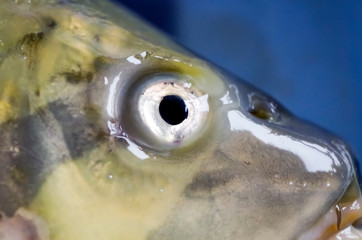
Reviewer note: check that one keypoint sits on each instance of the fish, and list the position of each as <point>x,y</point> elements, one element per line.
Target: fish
<point>110,130</point>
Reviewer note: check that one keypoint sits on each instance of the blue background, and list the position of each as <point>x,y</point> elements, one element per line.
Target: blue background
<point>306,54</point>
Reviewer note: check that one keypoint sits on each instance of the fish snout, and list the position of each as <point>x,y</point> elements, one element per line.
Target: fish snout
<point>295,174</point>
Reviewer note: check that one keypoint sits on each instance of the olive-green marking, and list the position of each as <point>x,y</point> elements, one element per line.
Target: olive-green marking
<point>78,130</point>
<point>75,76</point>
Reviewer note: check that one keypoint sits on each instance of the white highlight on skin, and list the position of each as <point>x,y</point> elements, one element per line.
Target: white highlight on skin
<point>132,147</point>
<point>112,128</point>
<point>344,153</point>
<point>143,54</point>
<point>348,233</point>
<point>136,150</point>
<point>323,150</point>
<point>134,60</point>
<point>355,205</point>
<point>226,98</point>
<point>236,92</point>
<point>175,60</point>
<point>315,158</point>
<point>112,96</point>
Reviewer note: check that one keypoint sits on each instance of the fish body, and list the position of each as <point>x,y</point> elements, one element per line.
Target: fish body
<point>109,130</point>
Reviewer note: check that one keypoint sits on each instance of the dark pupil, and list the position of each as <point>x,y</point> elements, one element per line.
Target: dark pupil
<point>173,109</point>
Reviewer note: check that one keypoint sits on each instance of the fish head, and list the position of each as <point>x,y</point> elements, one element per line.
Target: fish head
<point>110,130</point>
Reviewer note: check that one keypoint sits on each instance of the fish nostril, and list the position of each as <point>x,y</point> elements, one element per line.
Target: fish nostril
<point>263,108</point>
<point>261,112</point>
<point>173,109</point>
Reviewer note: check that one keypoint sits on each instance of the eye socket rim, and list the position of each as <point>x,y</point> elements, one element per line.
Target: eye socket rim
<point>163,136</point>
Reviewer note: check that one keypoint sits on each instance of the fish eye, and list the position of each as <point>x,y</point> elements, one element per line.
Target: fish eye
<point>164,111</point>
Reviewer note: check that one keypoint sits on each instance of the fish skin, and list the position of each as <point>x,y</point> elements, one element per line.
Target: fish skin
<point>75,153</point>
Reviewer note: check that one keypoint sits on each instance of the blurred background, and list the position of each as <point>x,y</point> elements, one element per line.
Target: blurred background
<point>306,54</point>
